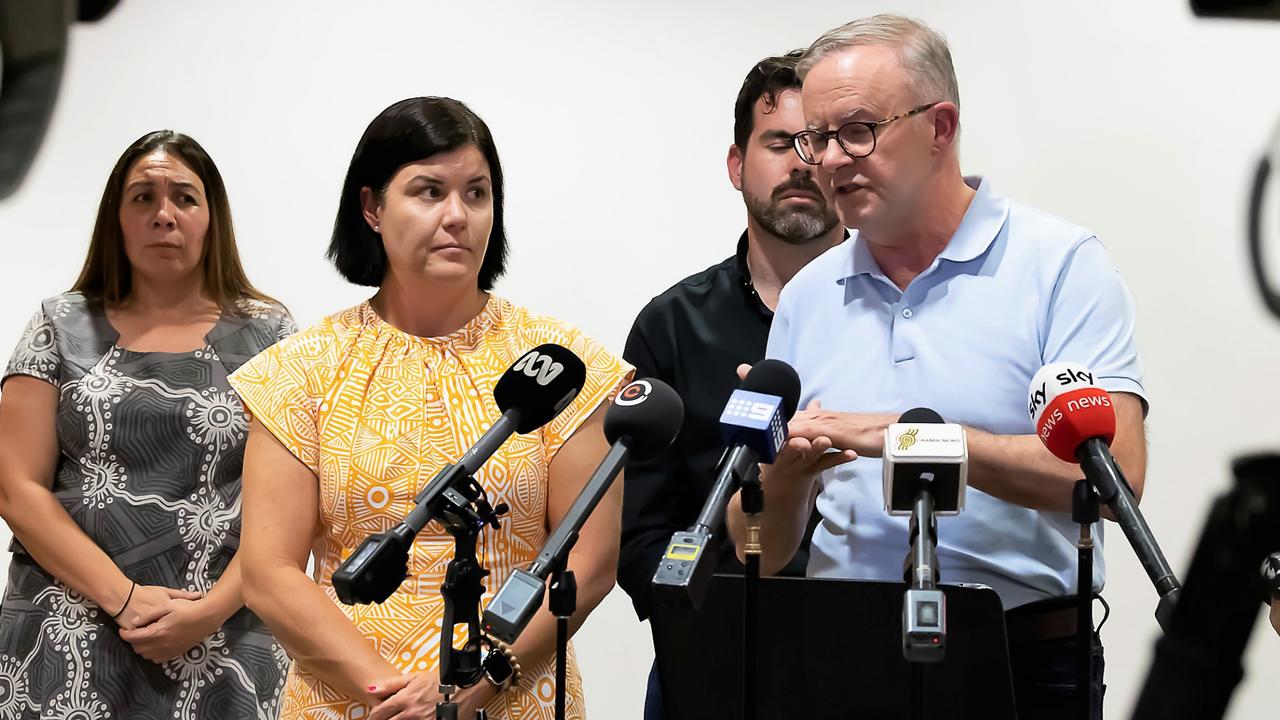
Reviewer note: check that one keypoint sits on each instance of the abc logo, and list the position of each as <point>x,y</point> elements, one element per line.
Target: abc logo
<point>634,393</point>
<point>542,368</point>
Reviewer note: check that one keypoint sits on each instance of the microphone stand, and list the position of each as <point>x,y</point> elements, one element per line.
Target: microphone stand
<point>462,589</point>
<point>563,600</point>
<point>924,635</point>
<point>562,603</point>
<point>521,595</point>
<point>752,505</point>
<point>1085,511</point>
<point>1114,490</point>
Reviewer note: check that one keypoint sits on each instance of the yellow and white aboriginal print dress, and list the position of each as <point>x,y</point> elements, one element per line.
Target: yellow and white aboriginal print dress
<point>375,412</point>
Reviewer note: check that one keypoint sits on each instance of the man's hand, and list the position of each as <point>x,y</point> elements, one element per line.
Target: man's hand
<point>862,433</point>
<point>802,458</point>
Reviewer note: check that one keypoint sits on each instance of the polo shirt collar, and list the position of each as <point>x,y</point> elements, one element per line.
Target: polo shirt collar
<point>981,224</point>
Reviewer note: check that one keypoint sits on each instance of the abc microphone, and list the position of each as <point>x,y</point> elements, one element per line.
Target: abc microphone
<point>641,423</point>
<point>754,427</point>
<point>1077,422</point>
<point>926,464</point>
<point>530,393</point>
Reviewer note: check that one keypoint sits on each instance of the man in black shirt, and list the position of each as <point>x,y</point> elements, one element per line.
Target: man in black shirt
<point>694,335</point>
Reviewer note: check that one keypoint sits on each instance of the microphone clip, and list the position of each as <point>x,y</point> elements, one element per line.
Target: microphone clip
<point>459,502</point>
<point>377,568</point>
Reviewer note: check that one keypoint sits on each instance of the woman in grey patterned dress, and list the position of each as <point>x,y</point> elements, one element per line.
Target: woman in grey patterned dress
<point>121,447</point>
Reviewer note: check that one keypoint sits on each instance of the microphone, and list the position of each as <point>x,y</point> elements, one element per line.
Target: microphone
<point>924,452</point>
<point>1076,421</point>
<point>754,428</point>
<point>642,422</point>
<point>530,393</point>
<point>33,49</point>
<point>926,467</point>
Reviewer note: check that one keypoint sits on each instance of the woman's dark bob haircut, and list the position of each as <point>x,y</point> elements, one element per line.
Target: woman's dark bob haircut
<point>409,131</point>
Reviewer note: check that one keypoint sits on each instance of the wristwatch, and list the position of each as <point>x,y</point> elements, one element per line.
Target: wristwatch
<point>1271,574</point>
<point>497,669</point>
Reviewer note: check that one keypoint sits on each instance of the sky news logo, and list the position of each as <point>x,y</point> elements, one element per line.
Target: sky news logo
<point>1066,379</point>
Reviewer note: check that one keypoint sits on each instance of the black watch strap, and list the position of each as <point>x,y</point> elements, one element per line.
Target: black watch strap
<point>497,669</point>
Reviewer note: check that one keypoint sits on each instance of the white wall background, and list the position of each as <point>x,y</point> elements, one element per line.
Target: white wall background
<point>1135,119</point>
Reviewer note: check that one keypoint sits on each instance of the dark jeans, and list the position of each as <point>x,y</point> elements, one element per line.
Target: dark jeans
<point>1044,681</point>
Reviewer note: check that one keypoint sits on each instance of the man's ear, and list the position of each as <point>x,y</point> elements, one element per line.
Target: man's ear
<point>734,164</point>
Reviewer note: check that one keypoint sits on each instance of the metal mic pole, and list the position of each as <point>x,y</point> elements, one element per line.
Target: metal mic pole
<point>923,605</point>
<point>752,505</point>
<point>562,603</point>
<point>1085,511</point>
<point>923,567</point>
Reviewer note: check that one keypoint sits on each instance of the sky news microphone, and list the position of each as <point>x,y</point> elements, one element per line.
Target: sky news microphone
<point>754,428</point>
<point>529,394</point>
<point>1076,420</point>
<point>642,422</point>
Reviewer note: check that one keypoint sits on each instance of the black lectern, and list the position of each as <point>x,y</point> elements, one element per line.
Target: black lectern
<point>832,649</point>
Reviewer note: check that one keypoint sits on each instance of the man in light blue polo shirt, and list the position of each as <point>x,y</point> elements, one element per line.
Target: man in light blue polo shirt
<point>948,296</point>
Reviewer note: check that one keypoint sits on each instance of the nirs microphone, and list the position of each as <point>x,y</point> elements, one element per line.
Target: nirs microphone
<point>1076,421</point>
<point>535,389</point>
<point>921,451</point>
<point>643,420</point>
<point>926,464</point>
<point>754,428</point>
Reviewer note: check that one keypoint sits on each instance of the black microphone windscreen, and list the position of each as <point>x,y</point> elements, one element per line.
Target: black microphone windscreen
<point>774,377</point>
<point>540,384</point>
<point>921,416</point>
<point>94,10</point>
<point>33,50</point>
<point>648,413</point>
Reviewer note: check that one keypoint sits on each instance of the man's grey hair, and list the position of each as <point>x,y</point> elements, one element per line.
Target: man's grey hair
<point>922,51</point>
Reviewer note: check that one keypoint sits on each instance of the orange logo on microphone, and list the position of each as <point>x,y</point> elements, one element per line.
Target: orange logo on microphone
<point>634,393</point>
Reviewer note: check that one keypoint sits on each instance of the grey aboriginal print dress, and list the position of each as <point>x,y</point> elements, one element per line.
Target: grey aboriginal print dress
<point>151,450</point>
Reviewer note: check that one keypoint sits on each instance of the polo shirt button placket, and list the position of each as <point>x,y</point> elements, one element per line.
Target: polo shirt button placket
<point>900,339</point>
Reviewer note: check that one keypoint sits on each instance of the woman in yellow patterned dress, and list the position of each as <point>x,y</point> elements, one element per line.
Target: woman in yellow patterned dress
<point>354,416</point>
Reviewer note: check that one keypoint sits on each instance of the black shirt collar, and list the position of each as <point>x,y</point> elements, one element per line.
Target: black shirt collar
<point>744,280</point>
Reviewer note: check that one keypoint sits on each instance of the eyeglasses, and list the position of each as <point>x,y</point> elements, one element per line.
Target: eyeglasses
<point>857,139</point>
